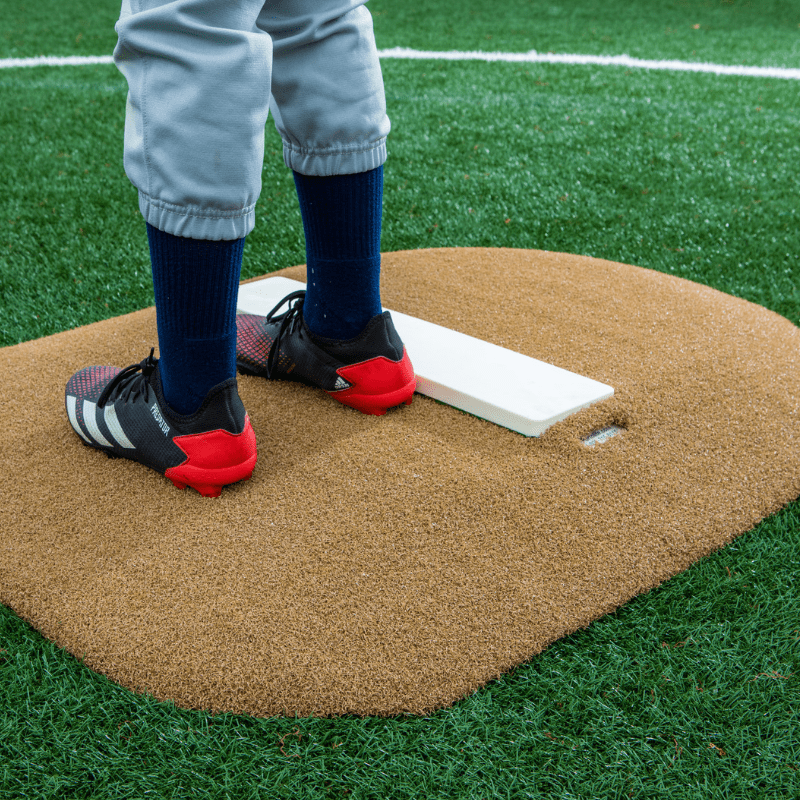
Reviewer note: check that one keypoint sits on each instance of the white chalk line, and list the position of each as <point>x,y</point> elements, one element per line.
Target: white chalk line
<point>532,57</point>
<point>54,61</point>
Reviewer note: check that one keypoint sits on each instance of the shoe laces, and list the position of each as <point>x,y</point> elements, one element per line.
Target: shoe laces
<point>290,321</point>
<point>131,382</point>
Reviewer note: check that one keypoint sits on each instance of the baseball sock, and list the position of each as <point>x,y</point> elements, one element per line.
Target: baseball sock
<point>196,283</point>
<point>342,223</point>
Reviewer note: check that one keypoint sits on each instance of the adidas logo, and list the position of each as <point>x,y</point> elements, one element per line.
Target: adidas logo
<point>90,420</point>
<point>340,384</point>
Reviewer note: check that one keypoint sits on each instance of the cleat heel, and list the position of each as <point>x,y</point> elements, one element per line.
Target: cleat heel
<point>370,373</point>
<point>215,459</point>
<point>377,404</point>
<point>378,383</point>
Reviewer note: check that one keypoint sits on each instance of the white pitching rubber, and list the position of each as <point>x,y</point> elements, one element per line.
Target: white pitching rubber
<point>491,382</point>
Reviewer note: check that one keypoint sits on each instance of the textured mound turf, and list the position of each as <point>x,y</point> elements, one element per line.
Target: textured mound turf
<point>394,564</point>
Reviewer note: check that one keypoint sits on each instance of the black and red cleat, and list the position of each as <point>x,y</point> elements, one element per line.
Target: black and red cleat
<point>371,372</point>
<point>124,413</point>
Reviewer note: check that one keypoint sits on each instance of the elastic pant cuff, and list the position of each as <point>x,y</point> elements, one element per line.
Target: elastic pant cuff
<point>334,162</point>
<point>195,223</point>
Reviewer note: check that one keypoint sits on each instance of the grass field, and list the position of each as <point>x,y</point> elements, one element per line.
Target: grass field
<point>690,691</point>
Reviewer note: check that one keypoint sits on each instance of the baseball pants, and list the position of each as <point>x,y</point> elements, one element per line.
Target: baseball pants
<point>204,74</point>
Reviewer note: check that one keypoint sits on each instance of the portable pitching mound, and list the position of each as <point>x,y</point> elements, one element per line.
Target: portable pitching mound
<point>381,565</point>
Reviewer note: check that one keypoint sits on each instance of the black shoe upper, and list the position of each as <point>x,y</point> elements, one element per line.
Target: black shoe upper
<point>124,412</point>
<point>282,346</point>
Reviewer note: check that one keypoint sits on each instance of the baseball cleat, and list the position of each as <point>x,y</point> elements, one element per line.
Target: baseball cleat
<point>124,413</point>
<point>371,372</point>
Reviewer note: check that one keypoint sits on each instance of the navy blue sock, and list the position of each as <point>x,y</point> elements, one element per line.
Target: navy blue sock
<point>342,223</point>
<point>196,284</point>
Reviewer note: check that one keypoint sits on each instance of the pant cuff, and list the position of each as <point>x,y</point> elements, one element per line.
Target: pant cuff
<point>195,223</point>
<point>334,162</point>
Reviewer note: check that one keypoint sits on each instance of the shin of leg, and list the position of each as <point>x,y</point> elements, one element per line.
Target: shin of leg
<point>196,286</point>
<point>342,223</point>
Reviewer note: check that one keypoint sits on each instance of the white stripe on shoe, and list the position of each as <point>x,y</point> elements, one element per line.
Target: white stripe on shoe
<point>112,423</point>
<point>90,420</point>
<point>73,418</point>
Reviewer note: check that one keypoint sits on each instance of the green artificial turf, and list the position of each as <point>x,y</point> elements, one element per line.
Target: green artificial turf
<point>688,174</point>
<point>690,691</point>
<point>763,32</point>
<point>721,31</point>
<point>670,171</point>
<point>49,28</point>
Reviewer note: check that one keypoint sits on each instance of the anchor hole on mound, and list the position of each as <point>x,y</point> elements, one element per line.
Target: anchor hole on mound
<point>603,434</point>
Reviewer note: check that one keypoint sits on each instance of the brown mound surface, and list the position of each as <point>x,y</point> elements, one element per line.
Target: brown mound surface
<point>376,565</point>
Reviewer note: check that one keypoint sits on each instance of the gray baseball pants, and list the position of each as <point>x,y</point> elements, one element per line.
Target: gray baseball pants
<point>203,75</point>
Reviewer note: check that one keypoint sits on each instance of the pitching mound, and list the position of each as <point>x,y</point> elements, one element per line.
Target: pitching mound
<point>378,565</point>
